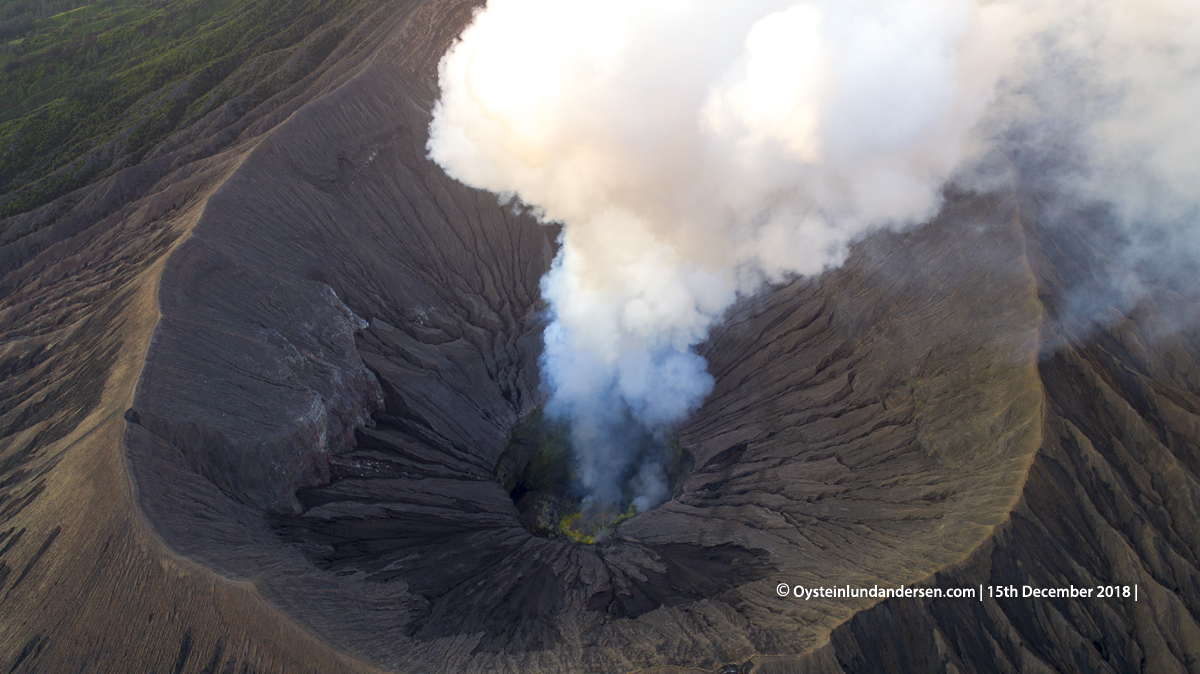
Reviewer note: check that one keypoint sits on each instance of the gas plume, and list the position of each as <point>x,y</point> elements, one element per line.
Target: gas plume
<point>1097,119</point>
<point>695,150</point>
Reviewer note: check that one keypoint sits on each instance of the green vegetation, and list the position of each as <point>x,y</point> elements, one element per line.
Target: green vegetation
<point>87,89</point>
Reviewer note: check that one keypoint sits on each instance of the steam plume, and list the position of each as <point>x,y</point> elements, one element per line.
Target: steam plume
<point>695,150</point>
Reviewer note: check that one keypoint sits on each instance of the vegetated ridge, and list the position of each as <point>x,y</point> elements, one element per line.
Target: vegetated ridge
<point>104,86</point>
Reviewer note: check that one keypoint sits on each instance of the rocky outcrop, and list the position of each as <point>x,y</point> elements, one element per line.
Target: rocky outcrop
<point>302,390</point>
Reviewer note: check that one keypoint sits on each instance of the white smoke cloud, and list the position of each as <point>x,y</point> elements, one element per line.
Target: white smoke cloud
<point>1098,116</point>
<point>694,150</point>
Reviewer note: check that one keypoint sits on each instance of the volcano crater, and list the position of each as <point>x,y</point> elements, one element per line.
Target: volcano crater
<point>349,338</point>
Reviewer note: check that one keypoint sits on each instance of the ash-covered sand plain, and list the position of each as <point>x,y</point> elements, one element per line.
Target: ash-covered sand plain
<point>252,412</point>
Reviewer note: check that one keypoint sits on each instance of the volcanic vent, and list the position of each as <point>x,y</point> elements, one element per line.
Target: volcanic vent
<point>537,469</point>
